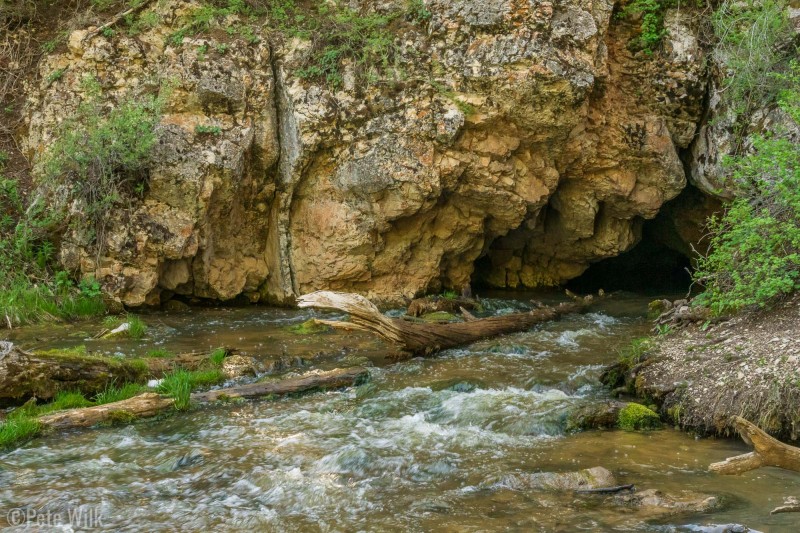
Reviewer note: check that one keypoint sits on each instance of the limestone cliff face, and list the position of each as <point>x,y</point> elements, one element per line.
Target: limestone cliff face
<point>523,132</point>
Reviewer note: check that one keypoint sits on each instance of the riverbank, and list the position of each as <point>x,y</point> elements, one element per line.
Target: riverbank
<point>749,366</point>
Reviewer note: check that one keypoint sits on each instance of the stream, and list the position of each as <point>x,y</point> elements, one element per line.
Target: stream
<point>425,445</point>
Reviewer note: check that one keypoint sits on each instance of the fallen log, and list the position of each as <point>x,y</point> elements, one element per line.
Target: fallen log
<point>151,404</point>
<point>24,375</point>
<point>425,339</point>
<point>768,452</point>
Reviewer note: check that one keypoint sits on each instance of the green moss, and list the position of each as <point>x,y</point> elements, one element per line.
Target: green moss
<point>309,327</point>
<point>439,316</point>
<point>136,327</point>
<point>119,417</point>
<point>635,416</point>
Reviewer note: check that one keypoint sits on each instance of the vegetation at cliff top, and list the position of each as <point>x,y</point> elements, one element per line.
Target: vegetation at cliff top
<point>652,12</point>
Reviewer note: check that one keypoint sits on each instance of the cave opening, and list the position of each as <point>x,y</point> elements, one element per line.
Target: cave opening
<point>650,267</point>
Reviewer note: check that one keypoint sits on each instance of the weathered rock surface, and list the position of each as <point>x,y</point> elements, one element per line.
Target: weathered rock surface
<point>570,141</point>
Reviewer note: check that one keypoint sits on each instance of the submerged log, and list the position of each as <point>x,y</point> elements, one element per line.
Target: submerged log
<point>425,339</point>
<point>151,404</point>
<point>24,375</point>
<point>768,452</point>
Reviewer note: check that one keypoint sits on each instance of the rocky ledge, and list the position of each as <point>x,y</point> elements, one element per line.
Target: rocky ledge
<point>525,133</point>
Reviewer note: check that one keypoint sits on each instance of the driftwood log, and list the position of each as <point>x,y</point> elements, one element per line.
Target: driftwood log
<point>151,404</point>
<point>767,452</point>
<point>425,339</point>
<point>790,505</point>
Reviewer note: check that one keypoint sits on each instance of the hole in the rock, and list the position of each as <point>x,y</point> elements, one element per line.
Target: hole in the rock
<point>650,267</point>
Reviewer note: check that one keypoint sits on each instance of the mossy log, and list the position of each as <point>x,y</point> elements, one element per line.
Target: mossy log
<point>768,452</point>
<point>24,375</point>
<point>425,339</point>
<point>151,404</point>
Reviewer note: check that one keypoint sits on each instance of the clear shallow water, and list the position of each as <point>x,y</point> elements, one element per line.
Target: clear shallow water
<point>426,445</point>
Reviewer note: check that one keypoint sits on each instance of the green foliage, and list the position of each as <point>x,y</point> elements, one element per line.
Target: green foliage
<point>204,129</point>
<point>55,75</point>
<point>177,385</point>
<point>416,10</point>
<point>755,44</point>
<point>217,356</point>
<point>14,432</point>
<point>205,378</point>
<point>113,393</point>
<point>101,156</point>
<point>652,26</point>
<point>635,416</point>
<point>180,383</point>
<point>136,326</point>
<point>755,245</point>
<point>634,353</point>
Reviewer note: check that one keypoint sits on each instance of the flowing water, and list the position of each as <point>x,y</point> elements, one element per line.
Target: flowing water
<point>435,444</point>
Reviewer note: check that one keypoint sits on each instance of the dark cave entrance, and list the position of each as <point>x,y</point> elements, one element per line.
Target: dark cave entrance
<point>650,267</point>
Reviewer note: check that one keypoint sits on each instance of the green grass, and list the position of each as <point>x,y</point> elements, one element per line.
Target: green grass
<point>136,326</point>
<point>217,356</point>
<point>113,394</point>
<point>14,432</point>
<point>178,386</point>
<point>204,378</point>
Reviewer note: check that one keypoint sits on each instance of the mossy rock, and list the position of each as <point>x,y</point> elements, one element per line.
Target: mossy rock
<point>635,417</point>
<point>439,316</point>
<point>309,327</point>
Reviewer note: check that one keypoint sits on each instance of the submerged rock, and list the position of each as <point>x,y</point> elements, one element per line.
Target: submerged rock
<point>590,478</point>
<point>655,503</point>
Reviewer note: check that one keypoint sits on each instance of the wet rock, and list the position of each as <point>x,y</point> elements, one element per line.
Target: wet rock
<point>590,478</point>
<point>176,306</point>
<point>655,503</point>
<point>595,415</point>
<point>237,366</point>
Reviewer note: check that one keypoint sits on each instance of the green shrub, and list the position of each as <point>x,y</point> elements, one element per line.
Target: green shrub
<point>754,42</point>
<point>635,416</point>
<point>754,252</point>
<point>101,158</point>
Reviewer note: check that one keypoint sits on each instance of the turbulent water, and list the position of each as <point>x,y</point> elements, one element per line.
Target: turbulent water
<point>425,445</point>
